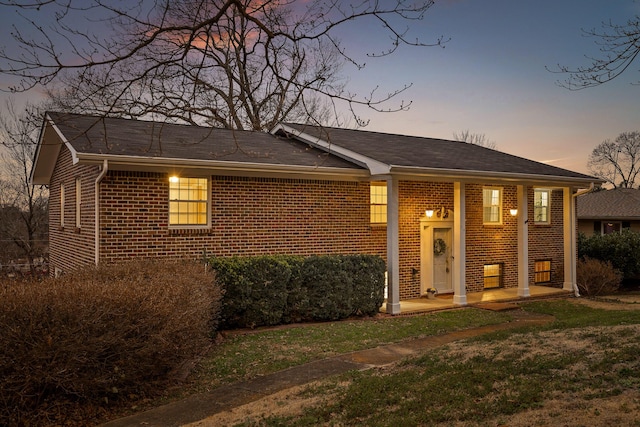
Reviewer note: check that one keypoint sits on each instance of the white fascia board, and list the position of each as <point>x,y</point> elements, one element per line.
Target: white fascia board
<point>164,164</point>
<point>47,152</point>
<point>375,167</point>
<point>449,174</point>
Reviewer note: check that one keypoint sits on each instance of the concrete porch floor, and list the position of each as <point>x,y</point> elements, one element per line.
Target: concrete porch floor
<point>445,302</point>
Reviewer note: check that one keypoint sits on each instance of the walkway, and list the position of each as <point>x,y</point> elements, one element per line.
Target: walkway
<point>199,407</point>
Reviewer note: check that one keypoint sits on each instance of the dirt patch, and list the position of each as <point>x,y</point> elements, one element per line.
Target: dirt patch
<point>567,409</point>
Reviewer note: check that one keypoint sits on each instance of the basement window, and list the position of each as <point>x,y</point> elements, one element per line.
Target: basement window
<point>188,201</point>
<point>542,272</point>
<point>492,276</point>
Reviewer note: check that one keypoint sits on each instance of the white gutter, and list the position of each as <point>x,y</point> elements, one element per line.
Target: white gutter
<point>591,188</point>
<point>103,172</point>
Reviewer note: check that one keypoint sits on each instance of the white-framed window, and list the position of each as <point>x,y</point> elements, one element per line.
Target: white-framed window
<point>492,205</point>
<point>189,201</point>
<point>378,200</point>
<point>541,206</point>
<point>62,202</point>
<point>78,201</point>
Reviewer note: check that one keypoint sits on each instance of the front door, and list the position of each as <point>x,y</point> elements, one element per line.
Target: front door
<point>436,263</point>
<point>442,260</point>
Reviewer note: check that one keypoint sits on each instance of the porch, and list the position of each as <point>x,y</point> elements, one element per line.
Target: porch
<point>445,302</point>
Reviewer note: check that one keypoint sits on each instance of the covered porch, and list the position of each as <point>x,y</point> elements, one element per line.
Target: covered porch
<point>445,302</point>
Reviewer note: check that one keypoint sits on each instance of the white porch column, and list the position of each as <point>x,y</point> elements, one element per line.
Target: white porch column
<point>393,248</point>
<point>459,249</point>
<point>523,243</point>
<point>569,231</point>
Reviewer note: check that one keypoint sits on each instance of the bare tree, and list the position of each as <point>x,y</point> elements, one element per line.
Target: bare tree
<point>617,162</point>
<point>239,64</point>
<point>474,138</point>
<point>619,47</point>
<point>23,207</point>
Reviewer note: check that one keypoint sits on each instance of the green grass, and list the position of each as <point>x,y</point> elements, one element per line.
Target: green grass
<point>243,356</point>
<point>451,385</point>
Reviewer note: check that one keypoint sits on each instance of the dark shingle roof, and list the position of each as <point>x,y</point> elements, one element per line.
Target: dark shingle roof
<point>621,203</point>
<point>430,153</point>
<point>124,137</point>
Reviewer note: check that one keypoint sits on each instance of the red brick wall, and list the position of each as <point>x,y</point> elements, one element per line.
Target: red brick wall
<point>71,247</point>
<point>250,216</point>
<point>546,241</point>
<point>490,244</point>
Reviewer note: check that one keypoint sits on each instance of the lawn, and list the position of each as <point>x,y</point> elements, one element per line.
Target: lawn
<point>581,369</point>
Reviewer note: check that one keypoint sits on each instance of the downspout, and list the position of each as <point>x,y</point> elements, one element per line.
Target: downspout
<point>591,188</point>
<point>103,172</point>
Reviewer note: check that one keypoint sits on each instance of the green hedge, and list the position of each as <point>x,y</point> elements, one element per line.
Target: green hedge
<point>622,250</point>
<point>271,290</point>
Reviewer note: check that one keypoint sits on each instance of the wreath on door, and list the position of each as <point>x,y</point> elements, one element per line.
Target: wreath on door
<point>439,247</point>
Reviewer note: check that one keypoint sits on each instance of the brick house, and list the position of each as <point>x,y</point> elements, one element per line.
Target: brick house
<point>609,211</point>
<point>443,214</point>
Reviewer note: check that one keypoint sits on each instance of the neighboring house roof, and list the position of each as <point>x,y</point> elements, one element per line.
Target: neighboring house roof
<point>620,204</point>
<point>416,155</point>
<point>290,148</point>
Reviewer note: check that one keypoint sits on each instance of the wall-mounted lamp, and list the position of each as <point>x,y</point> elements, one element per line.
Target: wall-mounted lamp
<point>441,213</point>
<point>174,179</point>
<point>513,212</point>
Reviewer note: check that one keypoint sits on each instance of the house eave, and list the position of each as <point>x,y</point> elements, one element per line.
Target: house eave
<point>174,165</point>
<point>487,176</point>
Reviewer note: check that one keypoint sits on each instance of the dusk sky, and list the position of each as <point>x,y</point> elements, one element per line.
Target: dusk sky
<point>491,77</point>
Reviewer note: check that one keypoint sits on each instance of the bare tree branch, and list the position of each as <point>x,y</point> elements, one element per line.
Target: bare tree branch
<point>617,162</point>
<point>241,64</point>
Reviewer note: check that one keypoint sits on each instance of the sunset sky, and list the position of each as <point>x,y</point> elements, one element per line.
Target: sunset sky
<point>492,77</point>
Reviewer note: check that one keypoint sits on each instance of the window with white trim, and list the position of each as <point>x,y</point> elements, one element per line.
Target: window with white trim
<point>541,206</point>
<point>188,201</point>
<point>492,205</point>
<point>378,202</point>
<point>78,201</point>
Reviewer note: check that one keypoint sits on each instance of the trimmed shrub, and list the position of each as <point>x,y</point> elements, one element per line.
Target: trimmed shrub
<point>100,336</point>
<point>596,277</point>
<point>256,289</point>
<point>329,286</point>
<point>368,283</point>
<point>270,290</point>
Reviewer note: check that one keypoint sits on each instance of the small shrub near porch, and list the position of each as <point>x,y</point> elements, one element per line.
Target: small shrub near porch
<point>271,290</point>
<point>100,337</point>
<point>596,277</point>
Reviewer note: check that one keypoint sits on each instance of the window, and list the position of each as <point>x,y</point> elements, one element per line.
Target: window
<point>188,201</point>
<point>541,206</point>
<point>542,272</point>
<point>62,205</point>
<point>78,201</point>
<point>609,227</point>
<point>378,202</point>
<point>492,205</point>
<point>492,276</point>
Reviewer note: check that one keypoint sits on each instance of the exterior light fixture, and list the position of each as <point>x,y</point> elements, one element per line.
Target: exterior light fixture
<point>429,213</point>
<point>173,178</point>
<point>513,212</point>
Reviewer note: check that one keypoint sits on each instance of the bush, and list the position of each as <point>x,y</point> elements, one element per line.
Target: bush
<point>596,277</point>
<point>100,335</point>
<point>256,289</point>
<point>621,249</point>
<point>270,290</point>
